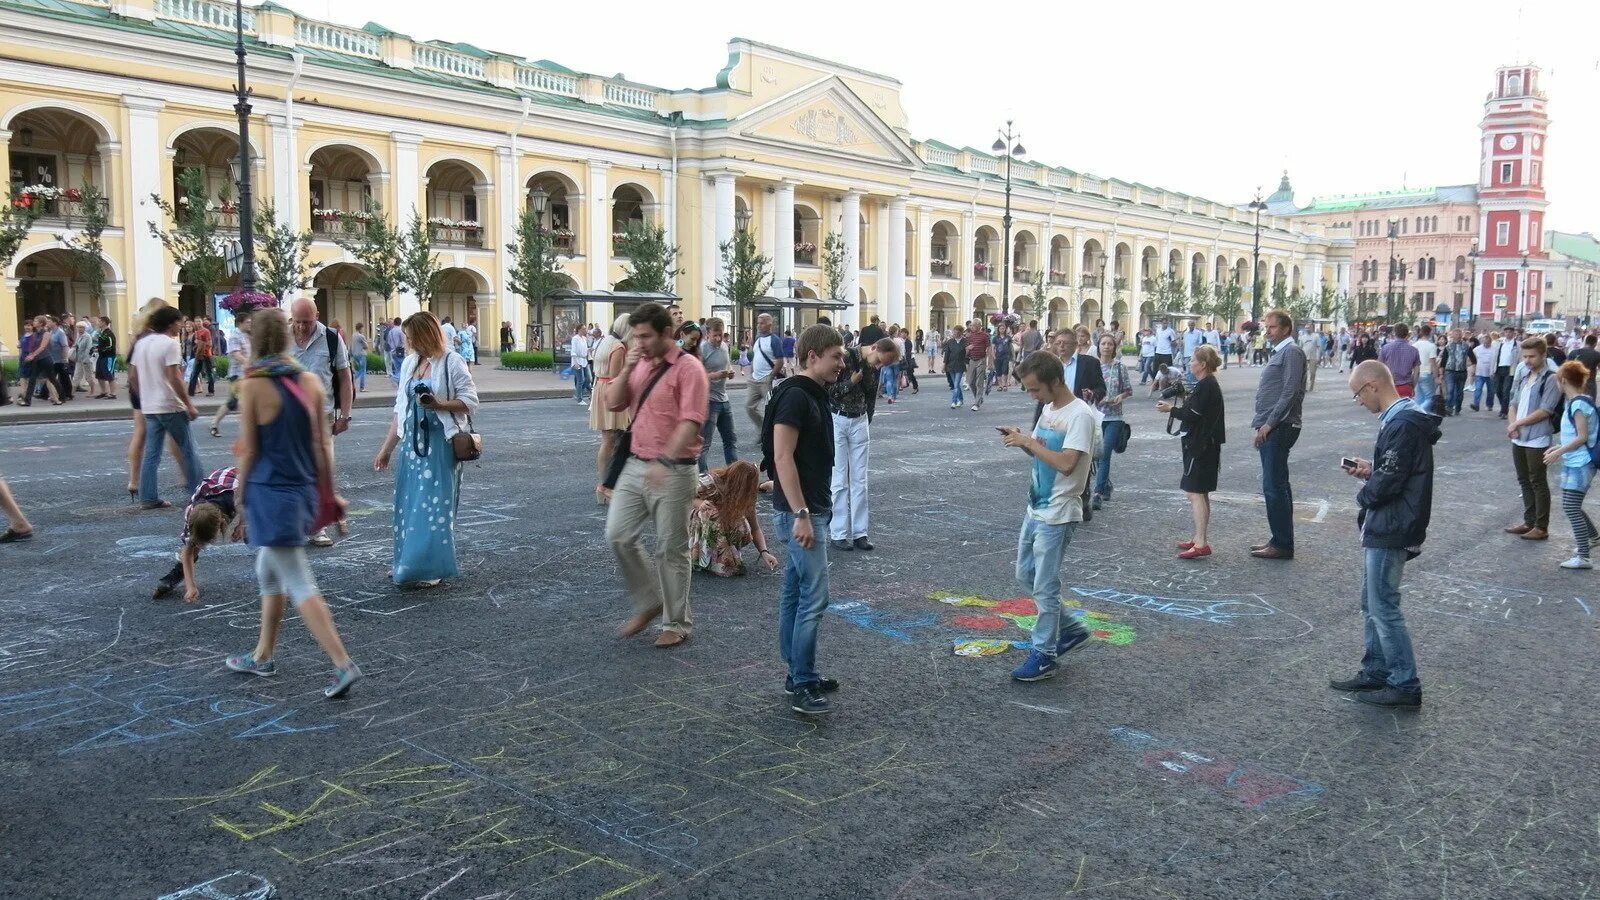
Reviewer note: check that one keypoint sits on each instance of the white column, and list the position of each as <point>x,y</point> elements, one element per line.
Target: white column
<point>722,184</point>
<point>1342,273</point>
<point>969,256</point>
<point>513,309</point>
<point>150,278</point>
<point>850,227</point>
<point>767,231</point>
<point>599,223</point>
<point>924,258</point>
<point>407,183</point>
<point>895,265</point>
<point>783,238</point>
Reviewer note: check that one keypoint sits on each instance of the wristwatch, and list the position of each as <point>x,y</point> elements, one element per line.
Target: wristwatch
<point>803,511</point>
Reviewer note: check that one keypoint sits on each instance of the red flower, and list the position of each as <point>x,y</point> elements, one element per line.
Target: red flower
<point>73,195</point>
<point>24,202</point>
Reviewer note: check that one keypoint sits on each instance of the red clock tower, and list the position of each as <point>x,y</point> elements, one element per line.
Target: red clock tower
<point>1511,201</point>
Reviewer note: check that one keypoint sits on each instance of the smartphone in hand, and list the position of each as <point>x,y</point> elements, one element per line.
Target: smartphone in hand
<point>1347,464</point>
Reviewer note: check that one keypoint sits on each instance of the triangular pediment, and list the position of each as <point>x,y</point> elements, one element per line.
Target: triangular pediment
<point>825,115</point>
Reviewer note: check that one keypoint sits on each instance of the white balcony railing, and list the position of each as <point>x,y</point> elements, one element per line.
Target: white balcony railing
<point>938,157</point>
<point>986,165</point>
<point>1121,191</point>
<point>630,95</point>
<point>1092,185</point>
<point>546,81</point>
<point>1060,180</point>
<point>449,62</point>
<point>210,13</point>
<point>337,38</point>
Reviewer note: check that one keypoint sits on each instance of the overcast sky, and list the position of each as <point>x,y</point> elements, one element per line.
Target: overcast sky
<point>1211,99</point>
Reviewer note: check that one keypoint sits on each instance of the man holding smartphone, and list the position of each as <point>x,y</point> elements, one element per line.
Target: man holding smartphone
<point>1396,502</point>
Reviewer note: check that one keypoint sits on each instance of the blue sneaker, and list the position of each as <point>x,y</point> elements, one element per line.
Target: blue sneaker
<point>342,679</point>
<point>246,663</point>
<point>1037,667</point>
<point>1073,635</point>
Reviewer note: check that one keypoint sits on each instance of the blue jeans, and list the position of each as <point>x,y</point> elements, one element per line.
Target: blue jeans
<point>397,358</point>
<point>1479,385</point>
<point>1102,469</point>
<point>718,418</point>
<point>1039,550</point>
<point>956,396</point>
<point>1275,485</point>
<point>360,361</point>
<point>580,381</point>
<point>1425,391</point>
<point>803,597</point>
<point>889,381</point>
<point>1389,656</point>
<point>156,428</point>
<point>1455,384</point>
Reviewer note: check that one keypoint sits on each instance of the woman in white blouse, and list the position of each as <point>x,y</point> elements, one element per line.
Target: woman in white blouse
<point>436,397</point>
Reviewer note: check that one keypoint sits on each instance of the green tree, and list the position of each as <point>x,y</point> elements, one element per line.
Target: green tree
<point>16,219</point>
<point>535,266</point>
<point>1169,295</point>
<point>1280,297</point>
<point>1227,302</point>
<point>420,269</point>
<point>650,265</point>
<point>1039,304</point>
<point>85,247</point>
<point>193,239</point>
<point>833,266</point>
<point>282,255</point>
<point>1330,302</point>
<point>1199,298</point>
<point>1300,306</point>
<point>376,246</point>
<point>745,275</point>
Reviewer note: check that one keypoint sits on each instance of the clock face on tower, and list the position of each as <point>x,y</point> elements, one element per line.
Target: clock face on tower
<point>1537,143</point>
<point>1508,141</point>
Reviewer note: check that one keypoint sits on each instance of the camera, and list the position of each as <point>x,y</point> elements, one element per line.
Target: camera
<point>1175,391</point>
<point>422,390</point>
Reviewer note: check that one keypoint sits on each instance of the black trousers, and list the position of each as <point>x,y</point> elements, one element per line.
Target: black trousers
<point>1502,388</point>
<point>63,376</point>
<point>206,364</point>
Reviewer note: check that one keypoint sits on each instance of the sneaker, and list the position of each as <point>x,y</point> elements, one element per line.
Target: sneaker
<point>343,677</point>
<point>1389,696</point>
<point>809,701</point>
<point>955,406</point>
<point>842,546</point>
<point>974,407</point>
<point>321,539</point>
<point>1037,667</point>
<point>246,663</point>
<point>863,544</point>
<point>1577,562</point>
<point>1098,502</point>
<point>826,685</point>
<point>1073,635</point>
<point>1359,683</point>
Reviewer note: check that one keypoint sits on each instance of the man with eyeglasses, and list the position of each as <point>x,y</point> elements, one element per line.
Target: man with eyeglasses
<point>1279,395</point>
<point>1396,502</point>
<point>322,351</point>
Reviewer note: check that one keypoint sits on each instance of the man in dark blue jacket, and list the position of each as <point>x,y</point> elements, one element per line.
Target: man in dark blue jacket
<point>1395,502</point>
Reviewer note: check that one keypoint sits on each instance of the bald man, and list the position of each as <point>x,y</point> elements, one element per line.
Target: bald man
<point>323,352</point>
<point>1396,501</point>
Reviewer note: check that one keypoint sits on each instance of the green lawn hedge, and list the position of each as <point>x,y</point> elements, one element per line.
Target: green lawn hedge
<point>534,361</point>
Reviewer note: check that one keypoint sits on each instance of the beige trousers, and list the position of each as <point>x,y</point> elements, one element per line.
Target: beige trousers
<point>661,581</point>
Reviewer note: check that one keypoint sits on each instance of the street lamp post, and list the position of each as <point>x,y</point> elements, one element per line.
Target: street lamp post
<point>1007,145</point>
<point>1522,301</point>
<point>1588,298</point>
<point>538,199</point>
<point>1255,260</point>
<point>1472,285</point>
<point>247,237</point>
<point>741,222</point>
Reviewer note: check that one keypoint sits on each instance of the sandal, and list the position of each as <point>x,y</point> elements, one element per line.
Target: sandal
<point>215,431</point>
<point>12,536</point>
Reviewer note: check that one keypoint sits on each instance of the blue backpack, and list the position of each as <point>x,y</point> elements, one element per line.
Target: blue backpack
<point>1582,400</point>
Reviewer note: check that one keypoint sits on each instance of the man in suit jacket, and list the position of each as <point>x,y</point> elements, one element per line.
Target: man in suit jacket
<point>1084,376</point>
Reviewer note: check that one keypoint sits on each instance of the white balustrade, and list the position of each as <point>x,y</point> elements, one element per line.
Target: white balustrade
<point>353,41</point>
<point>1060,179</point>
<point>629,95</point>
<point>546,81</point>
<point>447,61</point>
<point>939,157</point>
<point>210,13</point>
<point>1093,185</point>
<point>1121,191</point>
<point>986,165</point>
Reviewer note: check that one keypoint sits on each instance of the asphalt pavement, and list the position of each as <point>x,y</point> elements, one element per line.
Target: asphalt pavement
<point>506,744</point>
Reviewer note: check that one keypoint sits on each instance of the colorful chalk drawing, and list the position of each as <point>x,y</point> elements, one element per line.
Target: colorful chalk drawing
<point>1023,613</point>
<point>232,886</point>
<point>1217,612</point>
<point>1244,783</point>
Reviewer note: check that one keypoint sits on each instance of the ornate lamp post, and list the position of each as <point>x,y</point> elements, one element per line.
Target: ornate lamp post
<point>1255,260</point>
<point>1522,299</point>
<point>1472,285</point>
<point>1394,233</point>
<point>538,201</point>
<point>247,237</point>
<point>741,224</point>
<point>1007,145</point>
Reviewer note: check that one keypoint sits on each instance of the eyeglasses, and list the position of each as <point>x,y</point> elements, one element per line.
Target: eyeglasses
<point>1357,395</point>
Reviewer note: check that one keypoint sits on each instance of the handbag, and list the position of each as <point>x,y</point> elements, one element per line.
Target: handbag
<point>1120,435</point>
<point>329,511</point>
<point>466,444</point>
<point>624,445</point>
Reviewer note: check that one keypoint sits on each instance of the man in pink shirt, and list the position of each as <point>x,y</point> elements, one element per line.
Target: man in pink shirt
<point>667,391</point>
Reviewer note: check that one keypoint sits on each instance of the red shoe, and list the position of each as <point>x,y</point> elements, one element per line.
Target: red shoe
<point>1195,552</point>
<point>1186,545</point>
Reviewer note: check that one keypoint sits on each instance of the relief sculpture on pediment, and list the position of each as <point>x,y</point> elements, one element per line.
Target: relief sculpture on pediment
<point>825,127</point>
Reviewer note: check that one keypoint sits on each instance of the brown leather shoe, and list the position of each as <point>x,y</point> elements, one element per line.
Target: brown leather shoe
<point>638,623</point>
<point>1535,534</point>
<point>1270,552</point>
<point>670,639</point>
<point>1518,529</point>
<point>1255,547</point>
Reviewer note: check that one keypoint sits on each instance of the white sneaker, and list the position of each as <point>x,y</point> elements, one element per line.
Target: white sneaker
<point>321,539</point>
<point>1577,562</point>
<point>955,406</point>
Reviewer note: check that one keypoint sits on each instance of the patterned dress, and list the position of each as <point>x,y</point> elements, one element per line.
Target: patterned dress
<point>426,486</point>
<point>713,545</point>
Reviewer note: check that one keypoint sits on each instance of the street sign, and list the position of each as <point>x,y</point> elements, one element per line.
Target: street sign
<point>235,257</point>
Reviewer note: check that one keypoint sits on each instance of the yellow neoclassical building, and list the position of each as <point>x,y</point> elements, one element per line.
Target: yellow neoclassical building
<point>126,93</point>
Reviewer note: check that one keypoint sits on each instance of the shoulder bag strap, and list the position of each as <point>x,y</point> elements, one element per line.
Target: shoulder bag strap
<point>645,395</point>
<point>451,393</point>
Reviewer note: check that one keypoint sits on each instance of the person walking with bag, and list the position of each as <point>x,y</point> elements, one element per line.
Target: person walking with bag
<point>1119,387</point>
<point>1536,396</point>
<point>156,366</point>
<point>610,425</point>
<point>668,393</point>
<point>1576,455</point>
<point>283,491</point>
<point>955,365</point>
<point>766,366</point>
<point>436,392</point>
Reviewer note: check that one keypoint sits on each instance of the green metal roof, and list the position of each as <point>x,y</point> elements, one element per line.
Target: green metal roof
<point>1578,246</point>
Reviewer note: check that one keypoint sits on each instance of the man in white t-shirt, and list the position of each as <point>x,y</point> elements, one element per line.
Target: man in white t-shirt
<point>1147,356</point>
<point>1164,339</point>
<point>155,373</point>
<point>579,347</point>
<point>238,349</point>
<point>1062,445</point>
<point>1311,345</point>
<point>1427,368</point>
<point>766,366</point>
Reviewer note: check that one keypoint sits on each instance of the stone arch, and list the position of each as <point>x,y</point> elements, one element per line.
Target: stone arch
<point>113,268</point>
<point>982,306</point>
<point>1024,255</point>
<point>456,191</point>
<point>48,283</point>
<point>1197,269</point>
<point>562,216</point>
<point>217,125</point>
<point>101,128</point>
<point>944,245</point>
<point>986,253</point>
<point>57,146</point>
<point>1094,257</point>
<point>337,301</point>
<point>632,205</point>
<point>1088,312</point>
<point>943,311</point>
<point>458,292</point>
<point>807,235</point>
<point>373,161</point>
<point>1060,260</point>
<point>1060,314</point>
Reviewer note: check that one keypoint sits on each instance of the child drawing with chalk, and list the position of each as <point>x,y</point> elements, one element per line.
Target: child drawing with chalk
<point>205,521</point>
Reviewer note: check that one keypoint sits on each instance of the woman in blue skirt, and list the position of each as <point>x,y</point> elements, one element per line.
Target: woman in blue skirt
<point>436,396</point>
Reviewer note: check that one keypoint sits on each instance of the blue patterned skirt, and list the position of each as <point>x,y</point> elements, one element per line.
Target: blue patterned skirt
<point>425,493</point>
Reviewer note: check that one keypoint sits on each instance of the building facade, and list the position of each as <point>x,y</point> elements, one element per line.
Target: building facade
<point>1510,266</point>
<point>1424,237</point>
<point>1572,277</point>
<point>128,94</point>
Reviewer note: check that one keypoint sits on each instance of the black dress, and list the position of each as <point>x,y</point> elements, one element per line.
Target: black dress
<point>1204,433</point>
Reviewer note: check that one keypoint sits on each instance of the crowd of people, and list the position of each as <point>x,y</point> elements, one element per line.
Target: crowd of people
<point>656,387</point>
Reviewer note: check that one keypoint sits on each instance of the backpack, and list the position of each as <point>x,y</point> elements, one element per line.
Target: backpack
<point>767,465</point>
<point>1583,400</point>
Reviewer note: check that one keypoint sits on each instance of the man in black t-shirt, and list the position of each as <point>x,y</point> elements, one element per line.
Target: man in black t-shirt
<point>797,443</point>
<point>871,334</point>
<point>1589,356</point>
